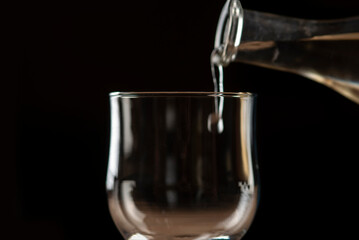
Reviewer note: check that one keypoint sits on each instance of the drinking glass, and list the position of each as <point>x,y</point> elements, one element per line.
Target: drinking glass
<point>179,167</point>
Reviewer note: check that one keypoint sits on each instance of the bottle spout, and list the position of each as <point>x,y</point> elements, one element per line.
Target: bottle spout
<point>228,33</point>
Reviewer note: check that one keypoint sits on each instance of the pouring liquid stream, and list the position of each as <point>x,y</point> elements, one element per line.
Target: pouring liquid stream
<point>228,37</point>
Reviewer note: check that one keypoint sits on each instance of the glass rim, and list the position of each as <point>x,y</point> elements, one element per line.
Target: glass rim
<point>182,94</point>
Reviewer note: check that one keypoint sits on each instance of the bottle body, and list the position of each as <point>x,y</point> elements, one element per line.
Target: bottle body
<point>333,63</point>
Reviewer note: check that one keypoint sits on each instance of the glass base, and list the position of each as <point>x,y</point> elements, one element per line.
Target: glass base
<point>139,236</point>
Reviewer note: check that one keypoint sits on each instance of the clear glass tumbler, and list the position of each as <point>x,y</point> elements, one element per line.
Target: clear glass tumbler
<point>173,173</point>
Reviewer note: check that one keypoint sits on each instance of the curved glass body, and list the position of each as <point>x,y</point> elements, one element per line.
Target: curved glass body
<point>172,175</point>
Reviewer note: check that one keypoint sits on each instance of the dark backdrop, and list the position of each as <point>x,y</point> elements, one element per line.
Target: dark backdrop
<point>68,57</point>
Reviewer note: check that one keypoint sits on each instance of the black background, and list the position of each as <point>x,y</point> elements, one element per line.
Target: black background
<point>68,57</point>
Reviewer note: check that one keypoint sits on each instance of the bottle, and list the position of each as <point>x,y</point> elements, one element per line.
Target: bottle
<point>326,51</point>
